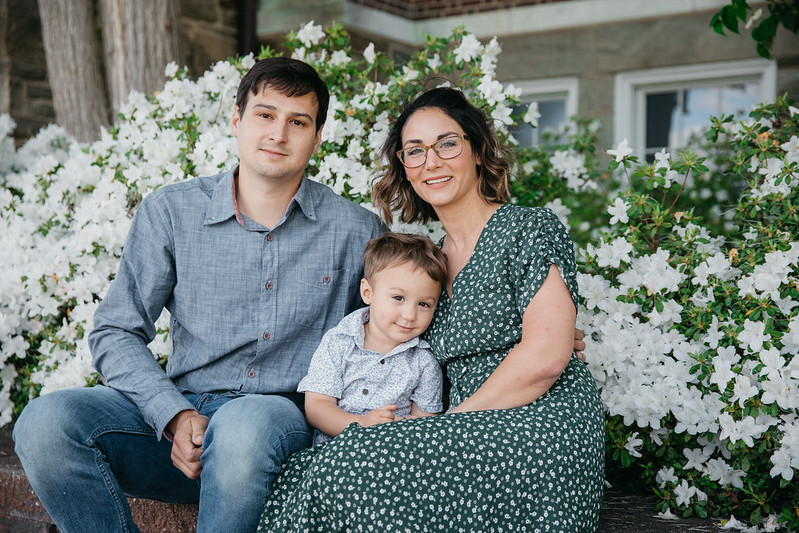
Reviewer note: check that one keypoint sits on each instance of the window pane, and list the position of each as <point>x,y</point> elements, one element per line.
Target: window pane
<point>699,105</point>
<point>738,98</point>
<point>553,117</point>
<point>662,116</point>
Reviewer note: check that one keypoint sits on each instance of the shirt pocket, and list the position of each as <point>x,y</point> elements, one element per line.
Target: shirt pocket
<point>321,299</point>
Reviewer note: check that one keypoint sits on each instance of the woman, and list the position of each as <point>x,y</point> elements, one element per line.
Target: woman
<point>522,447</point>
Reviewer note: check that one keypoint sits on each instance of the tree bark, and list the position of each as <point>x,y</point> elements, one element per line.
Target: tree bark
<point>140,38</point>
<point>73,66</point>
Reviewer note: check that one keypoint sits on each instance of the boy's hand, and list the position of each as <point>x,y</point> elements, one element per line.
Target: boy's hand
<point>381,415</point>
<point>186,431</point>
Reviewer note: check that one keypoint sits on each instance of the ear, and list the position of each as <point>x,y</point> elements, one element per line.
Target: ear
<point>234,122</point>
<point>318,140</point>
<point>366,291</point>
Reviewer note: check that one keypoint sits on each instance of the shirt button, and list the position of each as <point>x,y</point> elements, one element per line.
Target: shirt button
<point>326,279</point>
<point>382,361</point>
<point>266,335</point>
<point>268,285</point>
<point>366,391</point>
<point>251,373</point>
<point>269,237</point>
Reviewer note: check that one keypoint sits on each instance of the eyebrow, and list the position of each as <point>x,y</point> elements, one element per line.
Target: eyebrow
<point>442,136</point>
<point>292,114</point>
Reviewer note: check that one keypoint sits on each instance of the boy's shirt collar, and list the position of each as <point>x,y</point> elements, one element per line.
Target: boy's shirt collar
<point>352,326</point>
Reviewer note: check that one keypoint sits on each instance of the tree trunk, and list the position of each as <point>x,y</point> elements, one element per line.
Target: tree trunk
<point>73,66</point>
<point>140,37</point>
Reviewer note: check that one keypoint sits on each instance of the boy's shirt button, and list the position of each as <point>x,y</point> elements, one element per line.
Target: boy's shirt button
<point>366,391</point>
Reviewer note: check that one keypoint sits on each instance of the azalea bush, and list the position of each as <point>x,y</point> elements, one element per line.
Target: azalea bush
<point>692,325</point>
<point>695,335</point>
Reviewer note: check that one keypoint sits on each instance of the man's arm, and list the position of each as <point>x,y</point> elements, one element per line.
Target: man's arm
<point>124,323</point>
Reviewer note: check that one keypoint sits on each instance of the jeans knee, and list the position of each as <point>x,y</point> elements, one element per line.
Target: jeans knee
<point>256,433</point>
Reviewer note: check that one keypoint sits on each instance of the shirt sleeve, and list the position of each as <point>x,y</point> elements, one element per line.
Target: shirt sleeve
<point>325,373</point>
<point>427,395</point>
<point>543,241</point>
<point>124,323</point>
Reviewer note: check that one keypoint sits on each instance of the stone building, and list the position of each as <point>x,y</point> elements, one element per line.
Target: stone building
<point>652,72</point>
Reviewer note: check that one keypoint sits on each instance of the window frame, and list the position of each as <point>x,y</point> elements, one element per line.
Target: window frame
<point>631,89</point>
<point>566,88</point>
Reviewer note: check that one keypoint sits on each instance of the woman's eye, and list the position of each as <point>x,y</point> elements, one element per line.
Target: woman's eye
<point>414,152</point>
<point>447,143</point>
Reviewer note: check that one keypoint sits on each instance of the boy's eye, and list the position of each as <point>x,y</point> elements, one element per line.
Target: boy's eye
<point>398,298</point>
<point>424,304</point>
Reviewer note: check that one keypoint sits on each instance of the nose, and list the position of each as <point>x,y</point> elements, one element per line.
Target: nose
<point>409,313</point>
<point>277,132</point>
<point>431,160</point>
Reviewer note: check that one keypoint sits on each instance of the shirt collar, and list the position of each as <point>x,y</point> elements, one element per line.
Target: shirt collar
<point>224,204</point>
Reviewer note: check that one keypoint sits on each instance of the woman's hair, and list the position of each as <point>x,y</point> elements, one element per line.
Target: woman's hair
<point>290,77</point>
<point>393,192</point>
<point>394,249</point>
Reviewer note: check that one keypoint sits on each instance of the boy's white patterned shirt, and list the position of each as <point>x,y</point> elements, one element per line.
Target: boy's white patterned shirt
<point>364,380</point>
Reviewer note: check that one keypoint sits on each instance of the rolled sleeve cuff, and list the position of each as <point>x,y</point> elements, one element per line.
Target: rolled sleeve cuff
<point>431,408</point>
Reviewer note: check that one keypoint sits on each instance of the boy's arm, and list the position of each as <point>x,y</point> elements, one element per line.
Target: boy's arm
<point>324,414</point>
<point>416,412</point>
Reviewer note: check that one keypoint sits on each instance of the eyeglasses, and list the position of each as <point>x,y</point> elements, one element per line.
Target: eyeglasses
<point>446,148</point>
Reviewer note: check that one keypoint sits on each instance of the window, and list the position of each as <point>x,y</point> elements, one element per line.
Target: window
<point>557,102</point>
<point>663,108</point>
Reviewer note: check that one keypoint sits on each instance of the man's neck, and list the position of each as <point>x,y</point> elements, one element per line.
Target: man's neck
<point>265,202</point>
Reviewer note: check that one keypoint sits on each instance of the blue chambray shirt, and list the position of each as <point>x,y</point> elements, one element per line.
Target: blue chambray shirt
<point>248,304</point>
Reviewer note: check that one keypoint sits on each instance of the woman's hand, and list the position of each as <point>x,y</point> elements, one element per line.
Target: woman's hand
<point>533,365</point>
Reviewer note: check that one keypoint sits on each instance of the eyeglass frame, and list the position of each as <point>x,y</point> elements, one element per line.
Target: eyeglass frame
<point>427,148</point>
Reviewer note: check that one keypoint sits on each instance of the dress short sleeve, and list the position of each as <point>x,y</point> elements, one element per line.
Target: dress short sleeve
<point>542,241</point>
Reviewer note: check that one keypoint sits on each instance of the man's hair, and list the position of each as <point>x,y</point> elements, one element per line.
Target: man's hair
<point>394,249</point>
<point>393,192</point>
<point>288,76</point>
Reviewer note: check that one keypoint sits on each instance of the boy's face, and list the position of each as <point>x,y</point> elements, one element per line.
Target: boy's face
<point>403,299</point>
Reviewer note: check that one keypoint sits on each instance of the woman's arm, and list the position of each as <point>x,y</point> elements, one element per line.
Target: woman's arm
<point>324,414</point>
<point>530,369</point>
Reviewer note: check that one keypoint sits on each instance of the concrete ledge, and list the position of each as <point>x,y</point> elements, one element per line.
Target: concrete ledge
<point>22,512</point>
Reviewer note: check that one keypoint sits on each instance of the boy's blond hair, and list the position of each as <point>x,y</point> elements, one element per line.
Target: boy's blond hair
<point>394,249</point>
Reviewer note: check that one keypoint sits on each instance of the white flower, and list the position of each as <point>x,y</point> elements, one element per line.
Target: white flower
<point>633,444</point>
<point>662,159</point>
<point>696,459</point>
<point>171,69</point>
<point>469,48</point>
<point>434,63</point>
<point>310,34</point>
<point>339,58</point>
<point>613,253</point>
<point>621,152</point>
<point>618,211</point>
<point>753,335</point>
<point>532,114</point>
<point>369,53</point>
<point>665,475</point>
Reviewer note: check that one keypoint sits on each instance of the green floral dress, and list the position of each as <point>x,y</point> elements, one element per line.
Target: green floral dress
<point>534,468</point>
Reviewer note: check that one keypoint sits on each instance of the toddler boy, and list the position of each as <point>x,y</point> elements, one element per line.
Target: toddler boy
<point>372,367</point>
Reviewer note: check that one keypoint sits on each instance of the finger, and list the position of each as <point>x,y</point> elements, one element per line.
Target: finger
<point>579,334</point>
<point>581,355</point>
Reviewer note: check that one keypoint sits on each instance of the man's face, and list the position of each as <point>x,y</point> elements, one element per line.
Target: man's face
<point>276,135</point>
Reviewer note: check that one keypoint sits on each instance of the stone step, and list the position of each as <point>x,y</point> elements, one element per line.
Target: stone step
<point>22,512</point>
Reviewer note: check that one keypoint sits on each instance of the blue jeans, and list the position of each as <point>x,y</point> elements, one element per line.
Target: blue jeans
<point>84,450</point>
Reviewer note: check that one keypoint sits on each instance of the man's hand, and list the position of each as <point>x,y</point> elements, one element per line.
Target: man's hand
<point>187,430</point>
<point>381,415</point>
<point>579,344</point>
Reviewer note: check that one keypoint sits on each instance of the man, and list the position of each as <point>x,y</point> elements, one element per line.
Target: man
<point>254,265</point>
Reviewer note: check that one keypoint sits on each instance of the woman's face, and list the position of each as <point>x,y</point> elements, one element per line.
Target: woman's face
<point>440,182</point>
